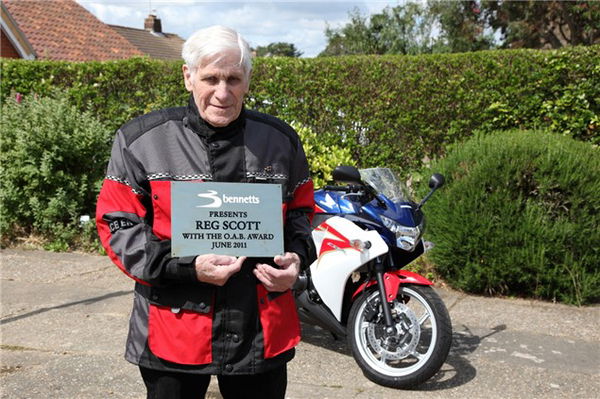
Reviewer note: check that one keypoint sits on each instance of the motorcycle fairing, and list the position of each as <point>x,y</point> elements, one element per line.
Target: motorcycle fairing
<point>348,204</point>
<point>335,240</point>
<point>327,201</point>
<point>392,281</point>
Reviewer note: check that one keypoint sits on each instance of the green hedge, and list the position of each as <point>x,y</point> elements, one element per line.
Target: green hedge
<point>114,91</point>
<point>387,110</point>
<point>519,216</point>
<point>400,110</point>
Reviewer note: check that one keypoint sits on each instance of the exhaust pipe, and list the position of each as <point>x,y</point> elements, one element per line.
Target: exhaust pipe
<point>313,313</point>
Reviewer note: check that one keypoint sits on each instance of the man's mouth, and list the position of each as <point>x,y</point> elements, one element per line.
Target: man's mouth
<point>221,106</point>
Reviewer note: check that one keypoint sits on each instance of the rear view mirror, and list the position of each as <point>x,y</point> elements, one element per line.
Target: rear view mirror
<point>437,180</point>
<point>347,174</point>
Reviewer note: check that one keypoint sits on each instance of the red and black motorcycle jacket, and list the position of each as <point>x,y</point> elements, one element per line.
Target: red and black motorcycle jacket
<point>177,322</point>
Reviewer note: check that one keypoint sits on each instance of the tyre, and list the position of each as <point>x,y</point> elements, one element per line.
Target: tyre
<point>418,348</point>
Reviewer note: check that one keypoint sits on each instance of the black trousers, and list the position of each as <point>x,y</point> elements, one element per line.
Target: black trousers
<point>170,385</point>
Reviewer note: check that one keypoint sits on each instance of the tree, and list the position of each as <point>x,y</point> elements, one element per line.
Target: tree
<point>468,25</point>
<point>354,38</point>
<point>544,24</point>
<point>404,29</point>
<point>462,26</point>
<point>279,49</point>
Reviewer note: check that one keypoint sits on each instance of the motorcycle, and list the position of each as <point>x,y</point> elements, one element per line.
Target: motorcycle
<point>365,232</point>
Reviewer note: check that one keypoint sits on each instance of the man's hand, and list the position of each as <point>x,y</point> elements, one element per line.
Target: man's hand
<point>216,269</point>
<point>279,279</point>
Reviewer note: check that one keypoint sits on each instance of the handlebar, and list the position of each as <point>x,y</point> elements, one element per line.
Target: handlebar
<point>356,188</point>
<point>350,188</point>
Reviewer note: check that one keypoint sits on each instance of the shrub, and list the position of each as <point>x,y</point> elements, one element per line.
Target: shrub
<point>519,216</point>
<point>322,158</point>
<point>53,158</point>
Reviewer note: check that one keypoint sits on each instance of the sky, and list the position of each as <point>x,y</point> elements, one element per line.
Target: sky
<point>260,22</point>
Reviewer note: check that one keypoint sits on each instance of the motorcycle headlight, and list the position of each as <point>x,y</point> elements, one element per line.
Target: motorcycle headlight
<point>407,238</point>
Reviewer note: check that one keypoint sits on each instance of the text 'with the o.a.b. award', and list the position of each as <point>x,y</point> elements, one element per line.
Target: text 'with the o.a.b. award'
<point>238,219</point>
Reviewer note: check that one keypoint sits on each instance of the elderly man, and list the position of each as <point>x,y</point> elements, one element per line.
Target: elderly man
<point>209,314</point>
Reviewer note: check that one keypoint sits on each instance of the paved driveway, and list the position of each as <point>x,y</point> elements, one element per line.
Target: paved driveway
<point>64,320</point>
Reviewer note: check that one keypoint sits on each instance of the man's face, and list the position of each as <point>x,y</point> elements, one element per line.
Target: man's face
<point>218,88</point>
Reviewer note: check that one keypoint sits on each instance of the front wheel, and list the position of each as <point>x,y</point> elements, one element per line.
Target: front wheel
<point>419,346</point>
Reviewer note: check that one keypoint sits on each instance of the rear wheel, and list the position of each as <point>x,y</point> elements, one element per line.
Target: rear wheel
<point>415,352</point>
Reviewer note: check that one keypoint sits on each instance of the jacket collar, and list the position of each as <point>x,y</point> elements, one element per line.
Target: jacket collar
<point>203,128</point>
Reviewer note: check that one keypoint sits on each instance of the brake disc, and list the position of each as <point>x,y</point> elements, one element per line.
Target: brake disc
<point>399,346</point>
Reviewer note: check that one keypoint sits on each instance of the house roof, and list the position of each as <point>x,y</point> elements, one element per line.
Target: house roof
<point>64,30</point>
<point>165,46</point>
<point>14,40</point>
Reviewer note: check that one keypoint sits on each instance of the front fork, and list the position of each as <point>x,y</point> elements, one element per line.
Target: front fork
<point>388,286</point>
<point>390,327</point>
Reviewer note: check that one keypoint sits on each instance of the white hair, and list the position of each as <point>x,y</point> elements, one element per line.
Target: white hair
<point>209,42</point>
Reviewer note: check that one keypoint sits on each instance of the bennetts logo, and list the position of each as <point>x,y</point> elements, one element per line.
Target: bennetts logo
<point>217,202</point>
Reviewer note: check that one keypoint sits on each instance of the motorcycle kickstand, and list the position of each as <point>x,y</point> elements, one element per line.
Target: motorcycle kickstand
<point>390,329</point>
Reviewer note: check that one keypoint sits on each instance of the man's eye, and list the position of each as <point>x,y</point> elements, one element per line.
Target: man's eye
<point>210,80</point>
<point>233,80</point>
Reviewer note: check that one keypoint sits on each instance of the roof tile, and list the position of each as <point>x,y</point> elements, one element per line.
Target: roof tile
<point>63,30</point>
<point>165,46</point>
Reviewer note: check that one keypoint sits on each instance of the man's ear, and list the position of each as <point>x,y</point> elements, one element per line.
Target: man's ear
<point>187,77</point>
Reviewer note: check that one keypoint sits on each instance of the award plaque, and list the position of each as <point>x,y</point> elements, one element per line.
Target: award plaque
<point>237,219</point>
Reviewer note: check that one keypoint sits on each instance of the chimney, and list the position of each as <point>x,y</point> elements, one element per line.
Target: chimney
<point>152,24</point>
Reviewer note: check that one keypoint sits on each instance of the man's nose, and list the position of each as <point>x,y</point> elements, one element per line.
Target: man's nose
<point>222,90</point>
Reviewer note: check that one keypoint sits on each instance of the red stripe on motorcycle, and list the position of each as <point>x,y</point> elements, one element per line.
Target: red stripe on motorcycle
<point>392,282</point>
<point>331,244</point>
